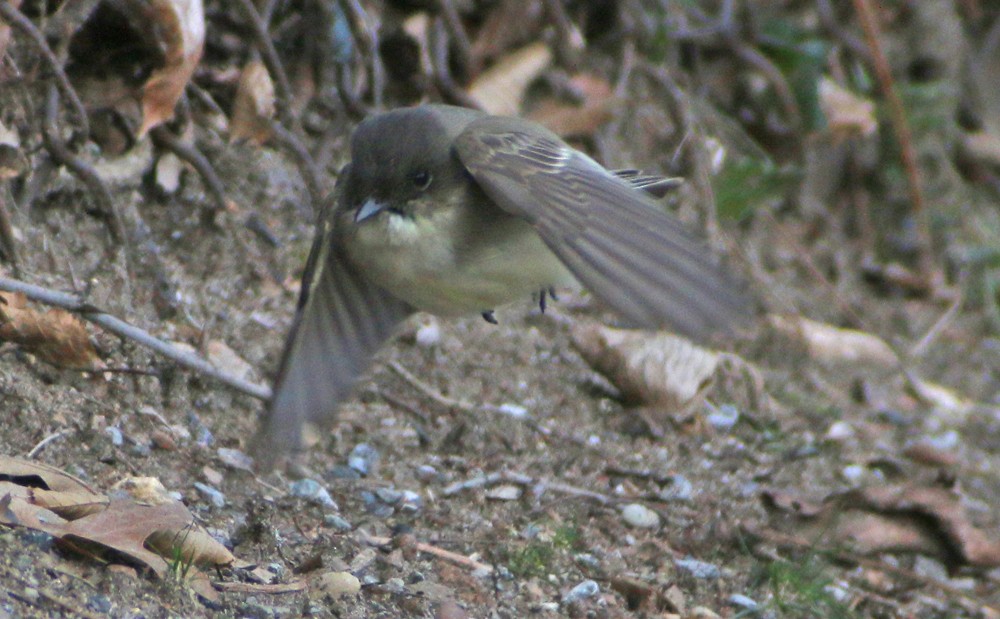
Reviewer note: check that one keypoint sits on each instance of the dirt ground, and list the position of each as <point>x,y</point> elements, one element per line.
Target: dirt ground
<point>550,503</point>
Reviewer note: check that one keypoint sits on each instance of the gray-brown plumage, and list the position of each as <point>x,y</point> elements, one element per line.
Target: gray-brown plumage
<point>451,211</point>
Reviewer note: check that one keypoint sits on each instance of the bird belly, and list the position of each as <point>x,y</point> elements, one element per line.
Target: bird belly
<point>420,261</point>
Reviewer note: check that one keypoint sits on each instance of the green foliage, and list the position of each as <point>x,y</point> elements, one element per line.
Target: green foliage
<point>537,556</point>
<point>747,182</point>
<point>799,589</point>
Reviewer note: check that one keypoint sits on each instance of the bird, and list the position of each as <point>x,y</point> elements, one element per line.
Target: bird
<point>453,211</point>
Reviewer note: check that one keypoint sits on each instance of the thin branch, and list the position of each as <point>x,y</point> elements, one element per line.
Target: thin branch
<point>908,153</point>
<point>123,329</point>
<point>63,155</point>
<point>307,167</point>
<point>7,233</point>
<point>441,553</point>
<point>187,152</point>
<point>17,19</point>
<point>269,55</point>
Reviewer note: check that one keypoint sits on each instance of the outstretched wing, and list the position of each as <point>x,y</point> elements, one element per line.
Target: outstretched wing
<point>342,321</point>
<point>635,257</point>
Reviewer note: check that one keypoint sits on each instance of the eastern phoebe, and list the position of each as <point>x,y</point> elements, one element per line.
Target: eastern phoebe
<point>451,211</point>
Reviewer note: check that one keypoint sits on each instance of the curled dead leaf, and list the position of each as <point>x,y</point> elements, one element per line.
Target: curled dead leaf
<point>55,336</point>
<point>253,106</point>
<point>656,369</point>
<point>501,88</point>
<point>832,345</point>
<point>180,27</point>
<point>846,113</point>
<point>906,518</point>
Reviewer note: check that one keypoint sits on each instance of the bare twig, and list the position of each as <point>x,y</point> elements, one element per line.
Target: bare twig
<point>527,480</point>
<point>42,444</point>
<point>307,167</point>
<point>367,39</point>
<point>440,553</point>
<point>453,23</point>
<point>442,74</point>
<point>908,153</point>
<point>62,154</point>
<point>121,328</point>
<point>17,19</point>
<point>7,233</point>
<point>187,152</point>
<point>568,39</point>
<point>269,55</point>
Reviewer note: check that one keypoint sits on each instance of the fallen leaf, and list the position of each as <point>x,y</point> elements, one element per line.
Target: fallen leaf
<point>253,105</point>
<point>656,369</point>
<point>578,120</point>
<point>831,345</point>
<point>846,113</point>
<point>909,518</point>
<point>180,27</point>
<point>501,88</point>
<point>56,336</point>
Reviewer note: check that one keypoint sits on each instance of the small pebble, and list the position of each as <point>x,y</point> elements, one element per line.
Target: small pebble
<point>428,335</point>
<point>582,591</point>
<point>376,507</point>
<point>211,476</point>
<point>363,459</point>
<point>585,558</point>
<point>342,472</point>
<point>701,612</point>
<point>640,516</point>
<point>235,459</point>
<point>337,522</point>
<point>115,434</point>
<point>514,410</point>
<point>339,584</point>
<point>853,473</point>
<point>839,431</point>
<point>741,601</point>
<point>99,603</point>
<point>389,496</point>
<point>723,418</point>
<point>411,502</point>
<point>698,569</point>
<point>215,497</point>
<point>506,492</point>
<point>680,489</point>
<point>312,491</point>
<point>426,473</point>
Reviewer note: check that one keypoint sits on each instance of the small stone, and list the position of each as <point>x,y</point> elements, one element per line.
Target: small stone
<point>235,459</point>
<point>428,335</point>
<point>312,491</point>
<point>741,601</point>
<point>506,492</point>
<point>339,584</point>
<point>640,516</point>
<point>411,502</point>
<point>99,603</point>
<point>215,497</point>
<point>701,612</point>
<point>115,434</point>
<point>853,473</point>
<point>162,440</point>
<point>839,431</point>
<point>929,568</point>
<point>376,507</point>
<point>698,569</point>
<point>337,522</point>
<point>680,489</point>
<point>343,472</point>
<point>363,459</point>
<point>426,473</point>
<point>211,475</point>
<point>582,591</point>
<point>389,496</point>
<point>723,418</point>
<point>514,410</point>
<point>585,558</point>
<point>448,609</point>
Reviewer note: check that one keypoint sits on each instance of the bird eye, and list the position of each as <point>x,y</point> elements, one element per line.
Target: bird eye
<point>421,179</point>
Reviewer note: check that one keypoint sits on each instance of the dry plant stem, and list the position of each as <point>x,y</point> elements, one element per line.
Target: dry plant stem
<point>442,74</point>
<point>17,19</point>
<point>939,325</point>
<point>62,154</point>
<point>269,56</point>
<point>307,167</point>
<point>42,444</point>
<point>350,99</point>
<point>187,152</point>
<point>367,40</point>
<point>121,328</point>
<point>567,51</point>
<point>7,232</point>
<point>453,23</point>
<point>527,480</point>
<point>440,553</point>
<point>247,587</point>
<point>897,115</point>
<point>828,18</point>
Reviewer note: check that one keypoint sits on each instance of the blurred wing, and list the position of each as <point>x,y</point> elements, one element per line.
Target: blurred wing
<point>616,241</point>
<point>342,320</point>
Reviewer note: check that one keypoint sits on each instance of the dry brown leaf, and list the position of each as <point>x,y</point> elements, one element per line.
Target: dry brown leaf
<point>846,113</point>
<point>900,518</point>
<point>568,120</point>
<point>253,105</point>
<point>180,26</point>
<point>500,89</point>
<point>656,369</point>
<point>57,336</point>
<point>160,533</point>
<point>832,345</point>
